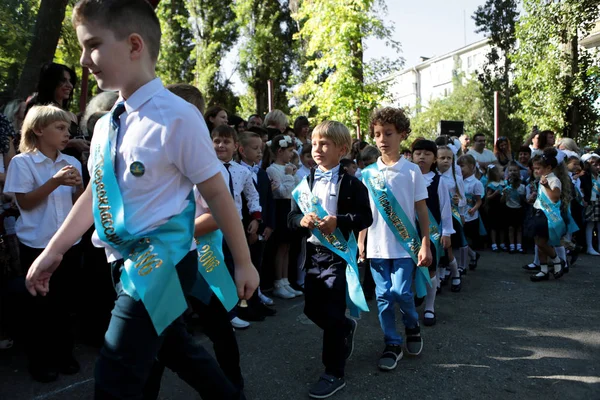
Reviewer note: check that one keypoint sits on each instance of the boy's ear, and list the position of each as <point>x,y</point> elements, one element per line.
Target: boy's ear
<point>136,46</point>
<point>37,131</point>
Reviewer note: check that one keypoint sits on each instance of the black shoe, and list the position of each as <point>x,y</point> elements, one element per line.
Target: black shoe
<point>390,357</point>
<point>349,339</point>
<point>264,310</point>
<point>327,386</point>
<point>456,288</point>
<point>444,280</point>
<point>529,268</point>
<point>43,374</point>
<point>560,272</point>
<point>438,290</point>
<point>462,271</point>
<point>495,250</point>
<point>419,301</point>
<point>540,276</point>
<point>473,263</point>
<point>69,366</point>
<point>250,313</point>
<point>429,321</point>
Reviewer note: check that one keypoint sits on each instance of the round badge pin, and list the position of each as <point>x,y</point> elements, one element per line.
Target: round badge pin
<point>137,169</point>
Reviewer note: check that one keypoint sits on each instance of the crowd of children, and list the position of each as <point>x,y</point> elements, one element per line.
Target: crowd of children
<point>193,207</point>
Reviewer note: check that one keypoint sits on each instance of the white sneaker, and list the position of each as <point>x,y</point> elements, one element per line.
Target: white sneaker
<point>282,292</point>
<point>265,300</point>
<point>238,323</point>
<point>289,288</point>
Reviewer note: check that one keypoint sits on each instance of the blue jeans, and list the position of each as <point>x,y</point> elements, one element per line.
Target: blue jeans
<point>393,280</point>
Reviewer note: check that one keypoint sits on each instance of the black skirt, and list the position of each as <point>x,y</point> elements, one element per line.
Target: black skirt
<point>540,224</point>
<point>514,217</point>
<point>458,238</point>
<point>282,232</point>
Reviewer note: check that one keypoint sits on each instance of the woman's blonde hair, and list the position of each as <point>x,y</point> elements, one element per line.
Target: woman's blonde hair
<point>335,131</point>
<point>276,118</point>
<point>38,118</point>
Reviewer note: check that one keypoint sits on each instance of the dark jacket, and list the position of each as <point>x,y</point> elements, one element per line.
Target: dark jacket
<point>586,187</point>
<point>263,187</point>
<point>353,209</point>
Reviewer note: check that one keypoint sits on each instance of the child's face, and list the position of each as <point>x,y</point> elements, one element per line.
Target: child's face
<point>512,171</point>
<point>55,135</point>
<point>524,157</point>
<point>539,170</point>
<point>285,154</point>
<point>224,147</point>
<point>572,165</point>
<point>325,153</point>
<point>593,166</point>
<point>445,159</point>
<point>351,169</point>
<point>252,151</point>
<point>467,169</point>
<point>107,58</point>
<point>388,139</point>
<point>424,159</point>
<point>307,160</point>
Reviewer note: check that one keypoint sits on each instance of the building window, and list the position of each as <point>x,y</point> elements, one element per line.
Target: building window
<point>469,62</point>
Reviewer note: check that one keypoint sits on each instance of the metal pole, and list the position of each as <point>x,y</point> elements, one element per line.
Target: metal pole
<point>496,116</point>
<point>270,94</point>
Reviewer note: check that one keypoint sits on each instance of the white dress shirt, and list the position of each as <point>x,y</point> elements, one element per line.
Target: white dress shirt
<point>27,172</point>
<point>242,183</point>
<point>326,192</point>
<point>406,183</point>
<point>455,185</point>
<point>445,206</point>
<point>473,187</point>
<point>169,137</point>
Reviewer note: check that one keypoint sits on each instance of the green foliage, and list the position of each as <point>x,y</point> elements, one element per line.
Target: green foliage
<point>266,51</point>
<point>497,19</point>
<point>17,18</point>
<point>175,62</point>
<point>465,103</point>
<point>558,79</point>
<point>336,82</point>
<point>213,23</point>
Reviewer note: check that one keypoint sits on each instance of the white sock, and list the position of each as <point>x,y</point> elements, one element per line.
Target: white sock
<point>464,257</point>
<point>536,258</point>
<point>561,253</point>
<point>494,246</point>
<point>472,254</point>
<point>454,268</point>
<point>512,246</point>
<point>543,270</point>
<point>589,235</point>
<point>431,291</point>
<point>519,246</point>
<point>446,272</point>
<point>502,246</point>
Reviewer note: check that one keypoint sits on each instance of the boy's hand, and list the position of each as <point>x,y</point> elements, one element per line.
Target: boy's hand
<point>252,238</point>
<point>38,276</point>
<point>309,221</point>
<point>267,233</point>
<point>67,176</point>
<point>246,281</point>
<point>328,224</point>
<point>471,211</point>
<point>446,242</point>
<point>253,227</point>
<point>424,257</point>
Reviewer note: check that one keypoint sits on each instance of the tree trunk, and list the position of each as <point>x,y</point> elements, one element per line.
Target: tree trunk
<point>43,45</point>
<point>573,117</point>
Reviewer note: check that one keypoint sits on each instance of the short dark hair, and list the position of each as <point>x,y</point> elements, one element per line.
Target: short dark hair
<point>390,115</point>
<point>224,131</point>
<point>306,149</point>
<point>426,145</point>
<point>524,149</point>
<point>189,93</point>
<point>346,162</point>
<point>475,136</point>
<point>122,17</point>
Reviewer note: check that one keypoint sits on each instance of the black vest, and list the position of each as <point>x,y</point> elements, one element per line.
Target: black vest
<point>433,200</point>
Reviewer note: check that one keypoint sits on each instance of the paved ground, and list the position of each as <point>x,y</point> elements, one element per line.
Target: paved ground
<point>502,337</point>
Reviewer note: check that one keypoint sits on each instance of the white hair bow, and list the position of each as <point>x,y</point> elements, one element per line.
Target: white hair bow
<point>283,143</point>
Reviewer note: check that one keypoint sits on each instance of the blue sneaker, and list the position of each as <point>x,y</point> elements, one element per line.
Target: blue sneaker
<point>327,386</point>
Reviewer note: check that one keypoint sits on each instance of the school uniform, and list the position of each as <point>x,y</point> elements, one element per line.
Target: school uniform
<point>325,284</point>
<point>515,213</point>
<point>439,204</point>
<point>495,210</point>
<point>34,229</point>
<point>473,187</point>
<point>282,195</point>
<point>455,184</point>
<point>591,197</point>
<point>163,149</point>
<point>540,220</point>
<point>391,265</point>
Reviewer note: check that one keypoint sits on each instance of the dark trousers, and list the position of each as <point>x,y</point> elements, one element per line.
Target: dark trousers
<point>132,347</point>
<point>44,322</point>
<point>256,255</point>
<point>325,304</point>
<point>474,239</point>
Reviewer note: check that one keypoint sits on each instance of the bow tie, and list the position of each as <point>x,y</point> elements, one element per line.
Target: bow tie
<point>327,176</point>
<point>254,168</point>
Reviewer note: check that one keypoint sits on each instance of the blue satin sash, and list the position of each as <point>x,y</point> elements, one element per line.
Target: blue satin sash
<point>336,243</point>
<point>596,186</point>
<point>398,222</point>
<point>556,224</point>
<point>149,272</point>
<point>211,265</point>
<point>435,236</point>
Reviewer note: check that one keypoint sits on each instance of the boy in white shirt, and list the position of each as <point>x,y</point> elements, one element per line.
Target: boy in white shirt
<point>397,194</point>
<point>474,193</point>
<point>146,158</point>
